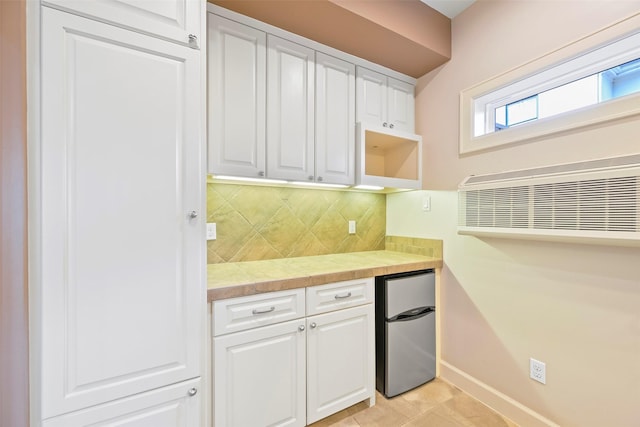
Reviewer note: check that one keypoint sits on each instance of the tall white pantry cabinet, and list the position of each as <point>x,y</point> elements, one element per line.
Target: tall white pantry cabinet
<point>117,204</point>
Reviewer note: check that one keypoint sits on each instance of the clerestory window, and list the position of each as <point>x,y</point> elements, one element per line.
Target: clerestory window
<point>591,87</point>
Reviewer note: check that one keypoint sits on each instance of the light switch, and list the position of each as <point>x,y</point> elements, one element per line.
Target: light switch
<point>426,203</point>
<point>211,231</point>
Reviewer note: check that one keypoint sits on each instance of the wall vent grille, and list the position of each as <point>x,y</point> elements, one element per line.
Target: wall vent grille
<point>600,204</point>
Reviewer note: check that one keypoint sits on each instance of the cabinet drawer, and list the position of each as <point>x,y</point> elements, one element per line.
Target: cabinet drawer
<point>239,314</point>
<point>335,296</point>
<point>173,405</point>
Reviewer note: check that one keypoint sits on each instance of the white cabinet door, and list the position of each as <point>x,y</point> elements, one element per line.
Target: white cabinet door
<point>237,101</point>
<point>290,110</point>
<point>121,259</point>
<point>371,103</point>
<point>384,101</point>
<point>259,376</point>
<point>173,20</point>
<point>340,360</point>
<point>401,105</point>
<point>335,120</point>
<point>176,405</point>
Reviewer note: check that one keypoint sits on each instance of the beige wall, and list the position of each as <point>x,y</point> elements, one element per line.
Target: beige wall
<point>574,307</point>
<point>490,38</point>
<point>14,351</point>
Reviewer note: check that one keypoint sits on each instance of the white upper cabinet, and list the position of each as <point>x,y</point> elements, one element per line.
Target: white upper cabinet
<point>384,101</point>
<point>290,110</point>
<point>121,235</point>
<point>176,20</point>
<point>285,107</point>
<point>371,97</point>
<point>237,98</point>
<point>401,110</point>
<point>335,120</point>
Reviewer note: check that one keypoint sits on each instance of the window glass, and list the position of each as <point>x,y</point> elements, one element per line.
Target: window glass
<point>612,83</point>
<point>569,97</point>
<point>621,80</point>
<point>522,111</point>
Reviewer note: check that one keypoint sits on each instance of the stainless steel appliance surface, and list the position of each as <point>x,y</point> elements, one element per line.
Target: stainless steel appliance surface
<point>405,331</point>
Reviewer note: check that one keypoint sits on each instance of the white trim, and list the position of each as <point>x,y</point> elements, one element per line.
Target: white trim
<point>534,77</point>
<point>493,398</point>
<point>33,13</point>
<point>606,238</point>
<point>205,356</point>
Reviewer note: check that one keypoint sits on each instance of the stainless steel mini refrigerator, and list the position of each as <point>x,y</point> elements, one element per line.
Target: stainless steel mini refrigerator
<point>405,331</point>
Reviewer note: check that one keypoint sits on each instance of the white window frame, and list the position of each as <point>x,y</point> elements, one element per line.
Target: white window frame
<point>600,51</point>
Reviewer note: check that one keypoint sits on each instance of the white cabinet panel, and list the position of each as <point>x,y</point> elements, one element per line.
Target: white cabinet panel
<point>259,376</point>
<point>336,296</point>
<point>170,19</point>
<point>340,360</point>
<point>242,313</point>
<point>371,101</point>
<point>281,111</point>
<point>298,371</point>
<point>401,102</point>
<point>335,120</point>
<point>122,292</point>
<point>290,110</point>
<point>384,101</point>
<point>177,405</point>
<point>237,101</point>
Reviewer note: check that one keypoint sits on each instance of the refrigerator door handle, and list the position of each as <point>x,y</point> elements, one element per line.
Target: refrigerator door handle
<point>414,313</point>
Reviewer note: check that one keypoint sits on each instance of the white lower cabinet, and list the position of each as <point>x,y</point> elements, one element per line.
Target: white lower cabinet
<point>175,405</point>
<point>295,372</point>
<point>340,360</point>
<point>259,376</point>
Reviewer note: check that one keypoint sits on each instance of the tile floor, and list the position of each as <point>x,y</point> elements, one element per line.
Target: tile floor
<point>435,404</point>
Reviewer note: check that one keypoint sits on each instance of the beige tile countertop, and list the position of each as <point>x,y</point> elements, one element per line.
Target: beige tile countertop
<point>235,279</point>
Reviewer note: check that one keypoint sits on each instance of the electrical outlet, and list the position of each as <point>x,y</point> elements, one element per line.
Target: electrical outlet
<point>211,231</point>
<point>537,370</point>
<point>352,227</point>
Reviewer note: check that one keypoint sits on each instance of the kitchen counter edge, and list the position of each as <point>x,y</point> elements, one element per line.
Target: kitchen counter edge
<point>230,280</point>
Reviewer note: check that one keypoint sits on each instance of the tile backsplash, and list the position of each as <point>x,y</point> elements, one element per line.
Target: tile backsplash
<point>258,223</point>
<point>414,245</point>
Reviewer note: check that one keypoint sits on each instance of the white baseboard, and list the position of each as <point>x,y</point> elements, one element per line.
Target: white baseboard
<point>491,397</point>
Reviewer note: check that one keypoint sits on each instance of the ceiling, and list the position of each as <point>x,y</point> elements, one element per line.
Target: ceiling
<point>448,8</point>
